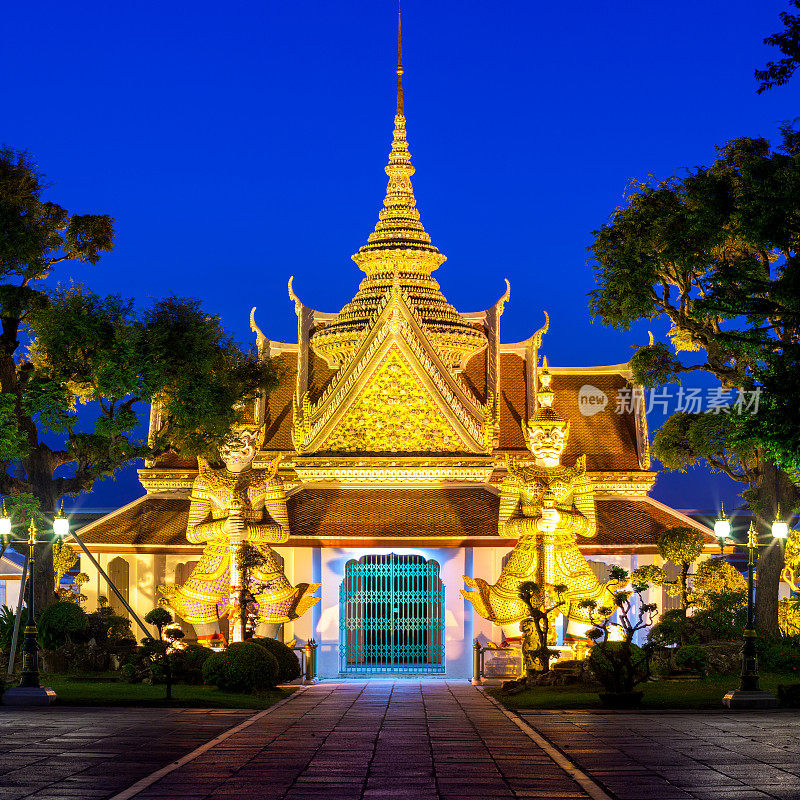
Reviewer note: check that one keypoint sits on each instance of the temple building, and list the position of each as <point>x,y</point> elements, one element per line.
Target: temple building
<point>396,422</point>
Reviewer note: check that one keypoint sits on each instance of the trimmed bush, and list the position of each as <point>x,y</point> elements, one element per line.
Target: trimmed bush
<point>668,630</point>
<point>288,662</point>
<point>692,657</point>
<point>187,664</point>
<point>619,666</point>
<point>59,621</point>
<point>214,669</point>
<point>243,667</point>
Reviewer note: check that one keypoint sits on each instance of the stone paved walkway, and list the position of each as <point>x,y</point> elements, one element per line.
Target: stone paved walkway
<point>682,756</point>
<point>88,753</point>
<point>374,741</point>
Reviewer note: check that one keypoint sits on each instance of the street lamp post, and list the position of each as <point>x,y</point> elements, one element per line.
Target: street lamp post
<point>30,692</point>
<point>749,694</point>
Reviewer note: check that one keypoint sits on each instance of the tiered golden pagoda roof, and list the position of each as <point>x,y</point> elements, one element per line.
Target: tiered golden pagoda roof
<point>399,249</point>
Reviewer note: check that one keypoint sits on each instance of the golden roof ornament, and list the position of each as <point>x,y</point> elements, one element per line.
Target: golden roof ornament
<point>545,416</point>
<point>399,246</point>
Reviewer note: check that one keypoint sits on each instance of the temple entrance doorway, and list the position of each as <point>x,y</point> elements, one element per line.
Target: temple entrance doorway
<point>391,616</point>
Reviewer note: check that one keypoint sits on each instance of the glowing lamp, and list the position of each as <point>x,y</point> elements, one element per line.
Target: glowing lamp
<point>5,523</point>
<point>722,528</point>
<point>61,524</point>
<point>780,529</point>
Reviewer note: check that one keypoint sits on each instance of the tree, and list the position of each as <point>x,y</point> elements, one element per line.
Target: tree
<point>777,73</point>
<point>536,626</point>
<point>248,559</point>
<point>715,252</point>
<point>618,663</point>
<point>83,348</point>
<point>714,580</point>
<point>158,650</point>
<point>64,559</point>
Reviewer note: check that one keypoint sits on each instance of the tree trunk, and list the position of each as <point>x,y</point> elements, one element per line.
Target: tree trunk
<point>777,494</point>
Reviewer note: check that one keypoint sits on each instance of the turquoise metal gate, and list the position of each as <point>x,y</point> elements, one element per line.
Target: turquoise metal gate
<point>391,615</point>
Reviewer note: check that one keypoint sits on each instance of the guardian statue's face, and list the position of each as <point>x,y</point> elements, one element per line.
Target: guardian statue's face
<point>547,444</point>
<point>238,452</point>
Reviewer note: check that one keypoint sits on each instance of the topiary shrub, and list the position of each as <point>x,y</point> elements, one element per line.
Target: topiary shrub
<point>668,630</point>
<point>59,621</point>
<point>619,666</point>
<point>243,667</point>
<point>692,657</point>
<point>110,630</point>
<point>214,669</point>
<point>288,662</point>
<point>187,664</point>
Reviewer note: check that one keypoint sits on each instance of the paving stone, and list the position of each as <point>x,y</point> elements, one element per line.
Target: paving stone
<point>706,756</point>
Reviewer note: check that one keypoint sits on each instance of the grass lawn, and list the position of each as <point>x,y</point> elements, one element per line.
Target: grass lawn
<point>78,691</point>
<point>680,694</point>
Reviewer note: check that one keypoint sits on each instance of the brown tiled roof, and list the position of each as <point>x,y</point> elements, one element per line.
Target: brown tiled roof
<point>147,521</point>
<point>278,435</point>
<point>379,513</point>
<point>626,523</point>
<point>623,525</point>
<point>608,439</point>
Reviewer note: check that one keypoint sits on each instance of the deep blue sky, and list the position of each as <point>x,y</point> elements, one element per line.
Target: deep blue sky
<point>239,143</point>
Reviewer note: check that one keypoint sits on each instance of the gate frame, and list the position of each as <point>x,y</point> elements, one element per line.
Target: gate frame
<point>437,629</point>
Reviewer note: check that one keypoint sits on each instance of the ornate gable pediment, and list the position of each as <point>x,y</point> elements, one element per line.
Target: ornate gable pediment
<point>394,394</point>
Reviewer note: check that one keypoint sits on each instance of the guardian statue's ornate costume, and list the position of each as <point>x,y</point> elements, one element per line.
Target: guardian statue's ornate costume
<point>229,506</point>
<point>545,507</point>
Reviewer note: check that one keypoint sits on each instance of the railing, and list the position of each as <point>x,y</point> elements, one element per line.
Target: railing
<point>479,660</point>
<point>308,661</point>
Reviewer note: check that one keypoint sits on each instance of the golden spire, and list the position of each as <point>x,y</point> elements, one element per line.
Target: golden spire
<point>399,59</point>
<point>399,250</point>
<point>399,227</point>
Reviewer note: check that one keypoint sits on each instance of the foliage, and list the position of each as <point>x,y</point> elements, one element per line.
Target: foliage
<point>187,663</point>
<point>692,657</point>
<point>64,559</point>
<point>778,653</point>
<point>215,669</point>
<point>715,253</point>
<point>288,662</point>
<point>85,348</point>
<point>722,617</point>
<point>242,667</point>
<point>688,439</point>
<point>160,618</point>
<point>542,603</point>
<point>714,578</point>
<point>248,558</point>
<point>681,545</point>
<point>777,73</point>
<point>110,630</point>
<point>669,630</point>
<point>789,616</point>
<point>7,617</point>
<point>620,665</point>
<point>60,621</point>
